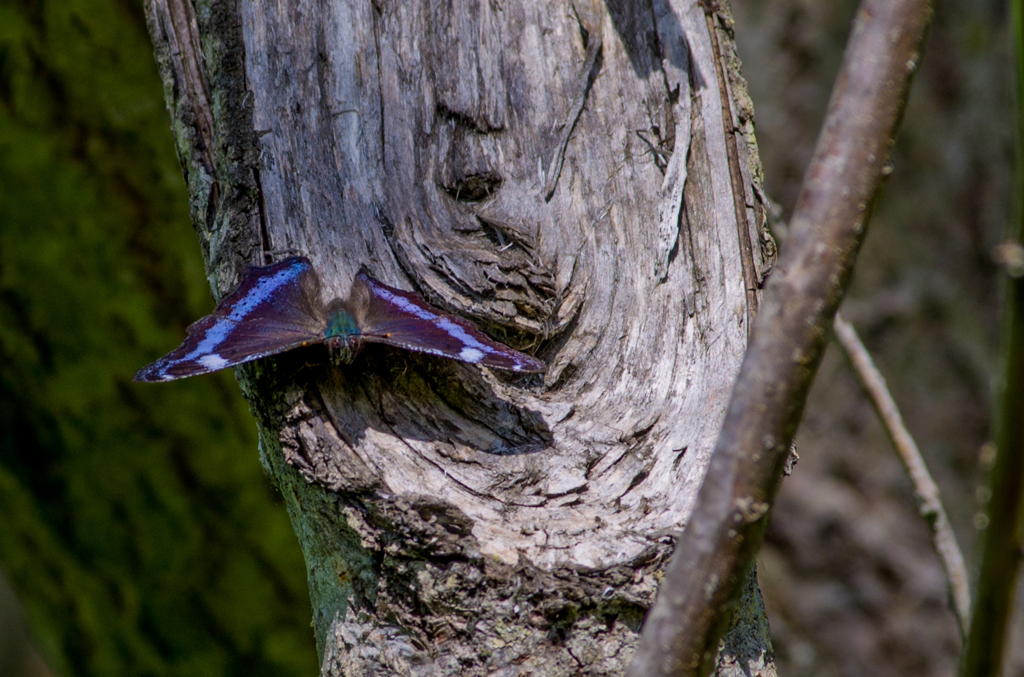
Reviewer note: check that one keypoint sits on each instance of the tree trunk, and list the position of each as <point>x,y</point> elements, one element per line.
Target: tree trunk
<point>565,176</point>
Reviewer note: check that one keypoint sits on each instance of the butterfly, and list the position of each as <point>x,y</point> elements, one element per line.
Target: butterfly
<point>279,307</point>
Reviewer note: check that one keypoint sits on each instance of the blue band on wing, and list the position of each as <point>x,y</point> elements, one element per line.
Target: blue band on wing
<point>279,307</point>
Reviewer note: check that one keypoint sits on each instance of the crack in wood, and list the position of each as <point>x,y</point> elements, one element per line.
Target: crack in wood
<point>586,79</point>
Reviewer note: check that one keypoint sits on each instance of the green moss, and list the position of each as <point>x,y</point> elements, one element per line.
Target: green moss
<point>139,529</point>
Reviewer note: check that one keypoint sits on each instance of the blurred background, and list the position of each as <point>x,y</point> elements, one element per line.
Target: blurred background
<point>851,582</point>
<point>138,533</point>
<point>136,524</point>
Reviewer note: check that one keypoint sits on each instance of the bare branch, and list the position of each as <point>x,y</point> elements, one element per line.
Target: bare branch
<point>727,525</point>
<point>925,489</point>
<point>1003,537</point>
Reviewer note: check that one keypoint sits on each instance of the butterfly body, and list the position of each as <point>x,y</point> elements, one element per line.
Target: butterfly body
<point>342,335</point>
<point>280,307</point>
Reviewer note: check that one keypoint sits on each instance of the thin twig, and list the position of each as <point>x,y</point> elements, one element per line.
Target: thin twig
<point>726,527</point>
<point>739,197</point>
<point>1003,537</point>
<point>925,490</point>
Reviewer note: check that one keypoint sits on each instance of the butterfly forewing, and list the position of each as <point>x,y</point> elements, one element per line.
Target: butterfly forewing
<point>403,319</point>
<point>274,309</point>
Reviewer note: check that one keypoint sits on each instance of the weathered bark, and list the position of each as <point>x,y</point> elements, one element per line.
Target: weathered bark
<point>727,525</point>
<point>560,174</point>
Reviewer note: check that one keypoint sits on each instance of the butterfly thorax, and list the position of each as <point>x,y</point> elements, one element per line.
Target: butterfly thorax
<point>342,335</point>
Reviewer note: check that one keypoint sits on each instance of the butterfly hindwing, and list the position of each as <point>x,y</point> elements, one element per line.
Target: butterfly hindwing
<point>279,307</point>
<point>403,319</point>
<point>274,309</point>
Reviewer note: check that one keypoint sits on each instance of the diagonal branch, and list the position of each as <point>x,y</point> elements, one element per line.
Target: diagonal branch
<point>925,489</point>
<point>716,549</point>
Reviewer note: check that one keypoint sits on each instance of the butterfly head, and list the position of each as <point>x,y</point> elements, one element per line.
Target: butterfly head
<point>343,349</point>
<point>342,336</point>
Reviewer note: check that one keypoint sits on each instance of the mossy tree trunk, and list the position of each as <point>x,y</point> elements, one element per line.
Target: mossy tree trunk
<point>581,180</point>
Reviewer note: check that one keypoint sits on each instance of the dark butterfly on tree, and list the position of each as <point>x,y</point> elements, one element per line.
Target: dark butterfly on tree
<point>279,307</point>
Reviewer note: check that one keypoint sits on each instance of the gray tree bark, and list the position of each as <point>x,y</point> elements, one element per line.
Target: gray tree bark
<point>578,178</point>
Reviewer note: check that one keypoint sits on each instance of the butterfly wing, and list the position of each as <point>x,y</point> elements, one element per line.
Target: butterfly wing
<point>403,319</point>
<point>274,309</point>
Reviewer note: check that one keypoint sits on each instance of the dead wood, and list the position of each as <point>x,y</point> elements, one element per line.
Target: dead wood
<point>715,552</point>
<point>567,177</point>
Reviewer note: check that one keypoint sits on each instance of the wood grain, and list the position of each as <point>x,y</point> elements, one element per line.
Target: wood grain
<point>456,520</point>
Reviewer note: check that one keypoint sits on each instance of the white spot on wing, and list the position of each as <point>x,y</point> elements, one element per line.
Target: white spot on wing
<point>213,361</point>
<point>471,355</point>
<point>214,337</point>
<point>205,351</point>
<point>473,350</point>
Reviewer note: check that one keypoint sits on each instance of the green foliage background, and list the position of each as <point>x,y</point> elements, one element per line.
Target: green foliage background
<point>137,525</point>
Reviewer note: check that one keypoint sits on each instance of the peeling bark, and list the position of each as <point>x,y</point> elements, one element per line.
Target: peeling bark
<point>456,520</point>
